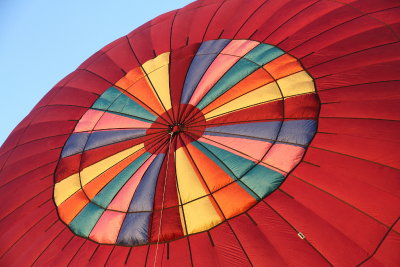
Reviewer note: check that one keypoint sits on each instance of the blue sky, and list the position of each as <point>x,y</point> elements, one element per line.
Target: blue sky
<point>41,41</point>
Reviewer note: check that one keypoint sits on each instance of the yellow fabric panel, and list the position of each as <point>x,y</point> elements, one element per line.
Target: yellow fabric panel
<point>296,84</point>
<point>91,172</point>
<point>190,186</point>
<point>200,215</point>
<point>155,63</point>
<point>157,70</point>
<point>160,81</point>
<point>265,93</point>
<point>66,188</point>
<point>183,223</point>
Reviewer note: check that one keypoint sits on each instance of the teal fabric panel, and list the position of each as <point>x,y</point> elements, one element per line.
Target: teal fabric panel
<point>106,195</point>
<point>262,180</point>
<point>263,53</point>
<point>114,101</point>
<point>85,221</point>
<point>235,163</point>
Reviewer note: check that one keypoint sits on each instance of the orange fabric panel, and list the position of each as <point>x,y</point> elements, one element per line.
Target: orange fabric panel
<point>130,78</point>
<point>72,206</point>
<point>213,175</point>
<point>233,200</point>
<point>283,66</point>
<point>137,85</point>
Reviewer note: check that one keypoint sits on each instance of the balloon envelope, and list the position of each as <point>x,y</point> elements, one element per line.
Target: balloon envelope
<point>224,133</point>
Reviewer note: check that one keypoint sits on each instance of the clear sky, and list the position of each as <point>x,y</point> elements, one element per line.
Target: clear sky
<point>41,41</point>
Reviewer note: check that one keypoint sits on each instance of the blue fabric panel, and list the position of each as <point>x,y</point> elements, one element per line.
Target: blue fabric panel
<point>107,194</point>
<point>239,71</point>
<point>299,132</point>
<point>103,138</point>
<point>75,144</point>
<point>144,196</point>
<point>134,230</point>
<point>263,53</point>
<point>87,218</point>
<point>235,163</point>
<point>263,130</point>
<point>262,180</point>
<point>206,54</point>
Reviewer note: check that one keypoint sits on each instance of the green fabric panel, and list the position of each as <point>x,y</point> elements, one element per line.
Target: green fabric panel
<point>106,195</point>
<point>262,180</point>
<point>239,71</point>
<point>263,53</point>
<point>85,221</point>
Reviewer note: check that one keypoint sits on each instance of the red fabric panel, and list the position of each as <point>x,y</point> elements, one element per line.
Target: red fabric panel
<point>180,60</point>
<point>137,256</point>
<point>202,18</point>
<point>181,28</point>
<point>100,257</point>
<point>32,163</point>
<point>238,19</point>
<point>31,244</point>
<point>275,18</point>
<point>177,254</point>
<point>92,156</point>
<point>293,250</point>
<point>353,181</point>
<point>72,96</point>
<point>387,253</point>
<point>61,250</point>
<point>118,256</point>
<point>123,56</point>
<point>354,225</point>
<point>83,255</point>
<point>267,111</point>
<point>171,221</point>
<point>161,33</point>
<point>227,247</point>
<point>325,237</point>
<point>89,82</point>
<point>379,151</point>
<point>255,243</point>
<point>390,18</point>
<point>43,130</point>
<point>67,166</point>
<point>39,180</point>
<point>27,215</point>
<point>200,245</point>
<point>106,68</point>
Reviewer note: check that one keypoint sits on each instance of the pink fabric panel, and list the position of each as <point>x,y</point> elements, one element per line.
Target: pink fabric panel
<point>113,121</point>
<point>252,148</point>
<point>107,228</point>
<point>284,157</point>
<point>88,121</point>
<point>123,198</point>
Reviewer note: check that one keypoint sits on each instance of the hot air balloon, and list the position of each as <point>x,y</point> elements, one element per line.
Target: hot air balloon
<point>224,133</point>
